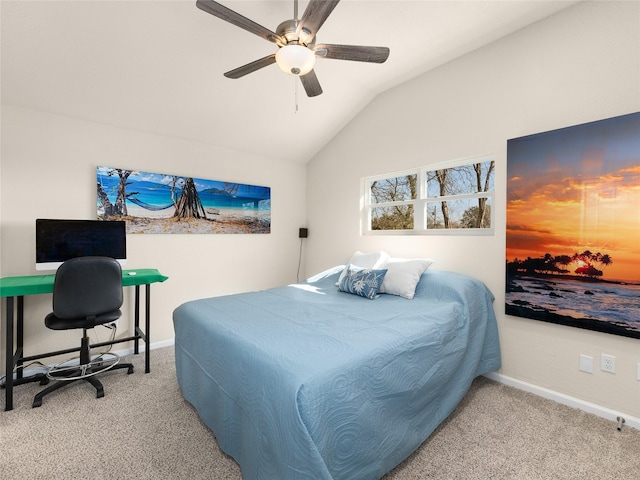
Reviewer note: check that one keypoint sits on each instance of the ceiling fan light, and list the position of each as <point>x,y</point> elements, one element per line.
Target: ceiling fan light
<point>295,60</point>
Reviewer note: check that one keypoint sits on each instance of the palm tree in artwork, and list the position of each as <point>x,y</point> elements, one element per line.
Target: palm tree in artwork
<point>606,260</point>
<point>586,261</point>
<point>564,261</point>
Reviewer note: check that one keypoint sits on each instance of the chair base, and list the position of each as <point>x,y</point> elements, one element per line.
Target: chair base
<point>36,377</point>
<point>37,400</point>
<point>69,370</point>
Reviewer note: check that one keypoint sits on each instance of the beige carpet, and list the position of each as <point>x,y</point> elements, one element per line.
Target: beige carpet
<point>143,429</point>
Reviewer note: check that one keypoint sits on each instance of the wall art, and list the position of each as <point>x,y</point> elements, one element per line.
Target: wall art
<point>573,226</point>
<point>165,203</point>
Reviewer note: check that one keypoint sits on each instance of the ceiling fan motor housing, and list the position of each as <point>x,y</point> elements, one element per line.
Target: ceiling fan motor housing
<point>289,31</point>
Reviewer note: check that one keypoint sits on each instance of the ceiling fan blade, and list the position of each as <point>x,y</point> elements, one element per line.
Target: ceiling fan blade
<point>228,15</point>
<point>355,53</point>
<point>251,67</point>
<point>313,17</point>
<point>311,84</point>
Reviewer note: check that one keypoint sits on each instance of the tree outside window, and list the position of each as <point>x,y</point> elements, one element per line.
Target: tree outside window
<point>458,190</point>
<point>396,191</point>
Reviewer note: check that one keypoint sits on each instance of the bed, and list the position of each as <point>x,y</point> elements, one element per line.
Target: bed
<point>308,382</point>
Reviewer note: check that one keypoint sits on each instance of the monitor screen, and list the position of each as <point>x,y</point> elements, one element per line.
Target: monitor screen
<point>60,240</point>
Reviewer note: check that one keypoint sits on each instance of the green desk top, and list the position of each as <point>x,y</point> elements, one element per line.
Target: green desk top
<point>35,284</point>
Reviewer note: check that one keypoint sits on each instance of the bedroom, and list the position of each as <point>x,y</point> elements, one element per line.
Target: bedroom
<point>578,65</point>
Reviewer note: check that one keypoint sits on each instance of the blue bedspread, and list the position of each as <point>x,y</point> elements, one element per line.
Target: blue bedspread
<point>305,382</point>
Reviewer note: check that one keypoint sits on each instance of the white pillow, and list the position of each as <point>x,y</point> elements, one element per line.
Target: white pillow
<point>403,275</point>
<point>370,261</point>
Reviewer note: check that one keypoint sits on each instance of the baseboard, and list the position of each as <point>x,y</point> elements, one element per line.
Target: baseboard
<point>603,412</point>
<point>129,351</point>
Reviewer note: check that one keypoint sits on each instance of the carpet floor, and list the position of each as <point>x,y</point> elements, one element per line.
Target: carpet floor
<point>144,429</point>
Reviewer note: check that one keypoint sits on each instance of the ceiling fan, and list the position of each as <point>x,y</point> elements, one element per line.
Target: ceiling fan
<point>296,41</point>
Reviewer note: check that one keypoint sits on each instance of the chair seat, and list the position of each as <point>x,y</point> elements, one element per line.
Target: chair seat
<point>56,323</point>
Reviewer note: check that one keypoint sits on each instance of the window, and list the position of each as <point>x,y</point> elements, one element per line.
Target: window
<point>456,198</point>
<point>392,202</point>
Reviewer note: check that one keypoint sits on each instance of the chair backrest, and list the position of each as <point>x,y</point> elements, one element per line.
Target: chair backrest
<point>87,286</point>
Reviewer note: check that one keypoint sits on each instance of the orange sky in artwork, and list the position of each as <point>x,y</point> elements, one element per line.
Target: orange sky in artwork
<point>592,221</point>
<point>564,207</point>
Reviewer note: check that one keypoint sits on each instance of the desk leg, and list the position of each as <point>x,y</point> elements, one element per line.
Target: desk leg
<point>136,344</point>
<point>20,337</point>
<point>147,325</point>
<point>9,357</point>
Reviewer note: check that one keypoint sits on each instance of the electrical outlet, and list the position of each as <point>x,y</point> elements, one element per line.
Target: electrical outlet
<point>586,363</point>
<point>607,363</point>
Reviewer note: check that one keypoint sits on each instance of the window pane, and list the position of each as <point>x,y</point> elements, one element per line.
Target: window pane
<point>397,189</point>
<point>399,217</point>
<point>465,179</point>
<point>453,214</point>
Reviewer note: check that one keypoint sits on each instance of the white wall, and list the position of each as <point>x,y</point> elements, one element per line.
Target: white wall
<point>48,170</point>
<point>580,65</point>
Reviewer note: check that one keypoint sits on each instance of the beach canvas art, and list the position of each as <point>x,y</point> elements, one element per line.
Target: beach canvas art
<point>573,226</point>
<point>165,203</point>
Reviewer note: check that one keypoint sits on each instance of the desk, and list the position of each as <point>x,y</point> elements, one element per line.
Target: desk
<point>16,288</point>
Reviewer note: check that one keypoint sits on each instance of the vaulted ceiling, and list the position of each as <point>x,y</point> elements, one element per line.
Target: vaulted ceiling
<point>157,66</point>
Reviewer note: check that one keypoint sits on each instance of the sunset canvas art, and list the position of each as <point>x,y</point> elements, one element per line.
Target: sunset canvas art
<point>573,226</point>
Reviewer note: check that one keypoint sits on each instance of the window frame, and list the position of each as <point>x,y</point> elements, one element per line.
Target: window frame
<point>420,204</point>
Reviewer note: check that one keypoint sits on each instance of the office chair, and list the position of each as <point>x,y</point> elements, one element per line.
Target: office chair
<point>87,291</point>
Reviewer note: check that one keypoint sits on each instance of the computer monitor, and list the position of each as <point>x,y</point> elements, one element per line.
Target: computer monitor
<point>60,240</point>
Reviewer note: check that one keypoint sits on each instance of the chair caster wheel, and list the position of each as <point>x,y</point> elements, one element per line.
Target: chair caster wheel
<point>44,381</point>
<point>36,403</point>
<point>130,370</point>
